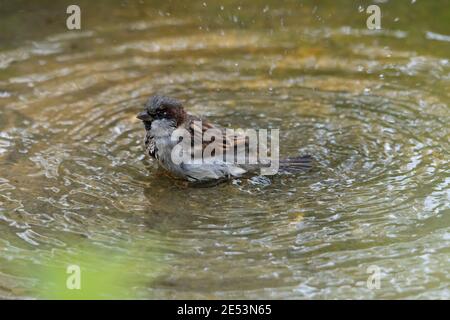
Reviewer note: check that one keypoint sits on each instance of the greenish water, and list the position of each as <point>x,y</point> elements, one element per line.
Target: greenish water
<point>370,106</point>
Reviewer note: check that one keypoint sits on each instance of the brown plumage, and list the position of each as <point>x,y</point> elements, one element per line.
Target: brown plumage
<point>163,115</point>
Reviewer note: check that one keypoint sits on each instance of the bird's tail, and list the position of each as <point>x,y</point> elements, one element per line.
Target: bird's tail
<point>296,164</point>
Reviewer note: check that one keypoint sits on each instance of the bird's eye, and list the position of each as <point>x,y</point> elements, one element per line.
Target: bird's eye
<point>162,111</point>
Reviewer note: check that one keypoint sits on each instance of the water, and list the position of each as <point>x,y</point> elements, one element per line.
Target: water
<point>370,106</point>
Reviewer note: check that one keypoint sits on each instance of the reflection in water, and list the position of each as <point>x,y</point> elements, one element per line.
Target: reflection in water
<point>371,107</point>
<point>84,272</point>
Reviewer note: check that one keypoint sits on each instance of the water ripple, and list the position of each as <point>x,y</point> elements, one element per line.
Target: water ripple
<point>374,118</point>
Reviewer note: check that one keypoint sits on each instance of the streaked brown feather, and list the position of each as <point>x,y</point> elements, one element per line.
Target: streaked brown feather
<point>228,143</point>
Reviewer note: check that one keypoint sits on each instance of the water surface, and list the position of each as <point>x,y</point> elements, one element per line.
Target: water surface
<point>370,106</point>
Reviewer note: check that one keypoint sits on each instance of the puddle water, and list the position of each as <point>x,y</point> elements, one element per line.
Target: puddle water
<point>370,106</point>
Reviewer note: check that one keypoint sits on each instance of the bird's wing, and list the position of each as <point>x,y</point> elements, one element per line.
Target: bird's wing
<point>228,142</point>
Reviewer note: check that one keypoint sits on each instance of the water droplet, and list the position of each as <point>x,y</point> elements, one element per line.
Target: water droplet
<point>5,94</point>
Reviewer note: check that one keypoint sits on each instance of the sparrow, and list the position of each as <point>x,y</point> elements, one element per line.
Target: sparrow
<point>163,115</point>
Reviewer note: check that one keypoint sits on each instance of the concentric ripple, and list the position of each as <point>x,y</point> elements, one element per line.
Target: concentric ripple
<point>373,113</point>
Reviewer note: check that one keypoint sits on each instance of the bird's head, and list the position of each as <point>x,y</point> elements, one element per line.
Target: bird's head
<point>162,108</point>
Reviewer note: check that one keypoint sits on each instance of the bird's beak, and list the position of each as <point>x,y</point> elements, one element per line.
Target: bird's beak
<point>144,116</point>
